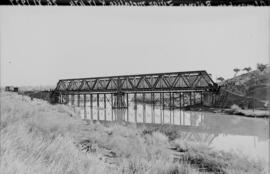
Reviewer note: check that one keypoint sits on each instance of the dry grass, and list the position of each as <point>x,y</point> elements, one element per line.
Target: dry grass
<point>37,137</point>
<point>199,154</point>
<point>34,139</point>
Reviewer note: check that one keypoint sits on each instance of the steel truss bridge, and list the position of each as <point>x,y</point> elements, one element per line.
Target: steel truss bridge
<point>188,82</point>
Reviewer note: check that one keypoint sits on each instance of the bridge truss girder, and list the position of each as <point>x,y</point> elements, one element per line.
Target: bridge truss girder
<point>175,81</point>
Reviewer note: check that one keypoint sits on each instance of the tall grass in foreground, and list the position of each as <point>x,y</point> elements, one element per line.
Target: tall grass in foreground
<point>37,137</point>
<point>34,139</point>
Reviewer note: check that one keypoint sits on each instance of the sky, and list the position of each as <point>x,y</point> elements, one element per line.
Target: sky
<point>40,45</point>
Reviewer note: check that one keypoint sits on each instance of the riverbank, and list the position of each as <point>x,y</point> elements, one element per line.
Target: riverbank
<point>234,110</point>
<point>37,137</point>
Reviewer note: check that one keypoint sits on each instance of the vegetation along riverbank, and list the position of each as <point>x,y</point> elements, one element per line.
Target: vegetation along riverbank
<point>37,137</point>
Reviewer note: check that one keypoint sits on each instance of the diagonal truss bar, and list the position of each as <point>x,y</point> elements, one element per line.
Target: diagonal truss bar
<point>196,78</point>
<point>158,79</point>
<point>93,87</point>
<point>176,79</point>
<point>148,83</point>
<point>166,82</point>
<point>81,85</point>
<point>185,80</point>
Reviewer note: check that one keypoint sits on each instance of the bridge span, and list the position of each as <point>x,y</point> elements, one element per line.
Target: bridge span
<point>180,86</point>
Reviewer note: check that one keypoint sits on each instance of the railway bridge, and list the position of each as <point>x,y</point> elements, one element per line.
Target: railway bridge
<point>183,88</point>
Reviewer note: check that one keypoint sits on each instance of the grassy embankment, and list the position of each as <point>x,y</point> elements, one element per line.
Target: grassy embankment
<point>37,137</point>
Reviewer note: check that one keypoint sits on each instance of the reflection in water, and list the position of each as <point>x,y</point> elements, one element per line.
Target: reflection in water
<point>248,136</point>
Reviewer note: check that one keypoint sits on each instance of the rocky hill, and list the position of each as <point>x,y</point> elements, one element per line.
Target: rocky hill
<point>246,90</point>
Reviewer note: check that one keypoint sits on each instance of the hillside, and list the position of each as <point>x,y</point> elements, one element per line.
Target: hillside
<point>246,89</point>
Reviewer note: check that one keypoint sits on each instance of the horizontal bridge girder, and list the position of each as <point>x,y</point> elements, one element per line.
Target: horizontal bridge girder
<point>176,81</point>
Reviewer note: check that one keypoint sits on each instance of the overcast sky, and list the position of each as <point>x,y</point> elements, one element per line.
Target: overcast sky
<point>40,45</point>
